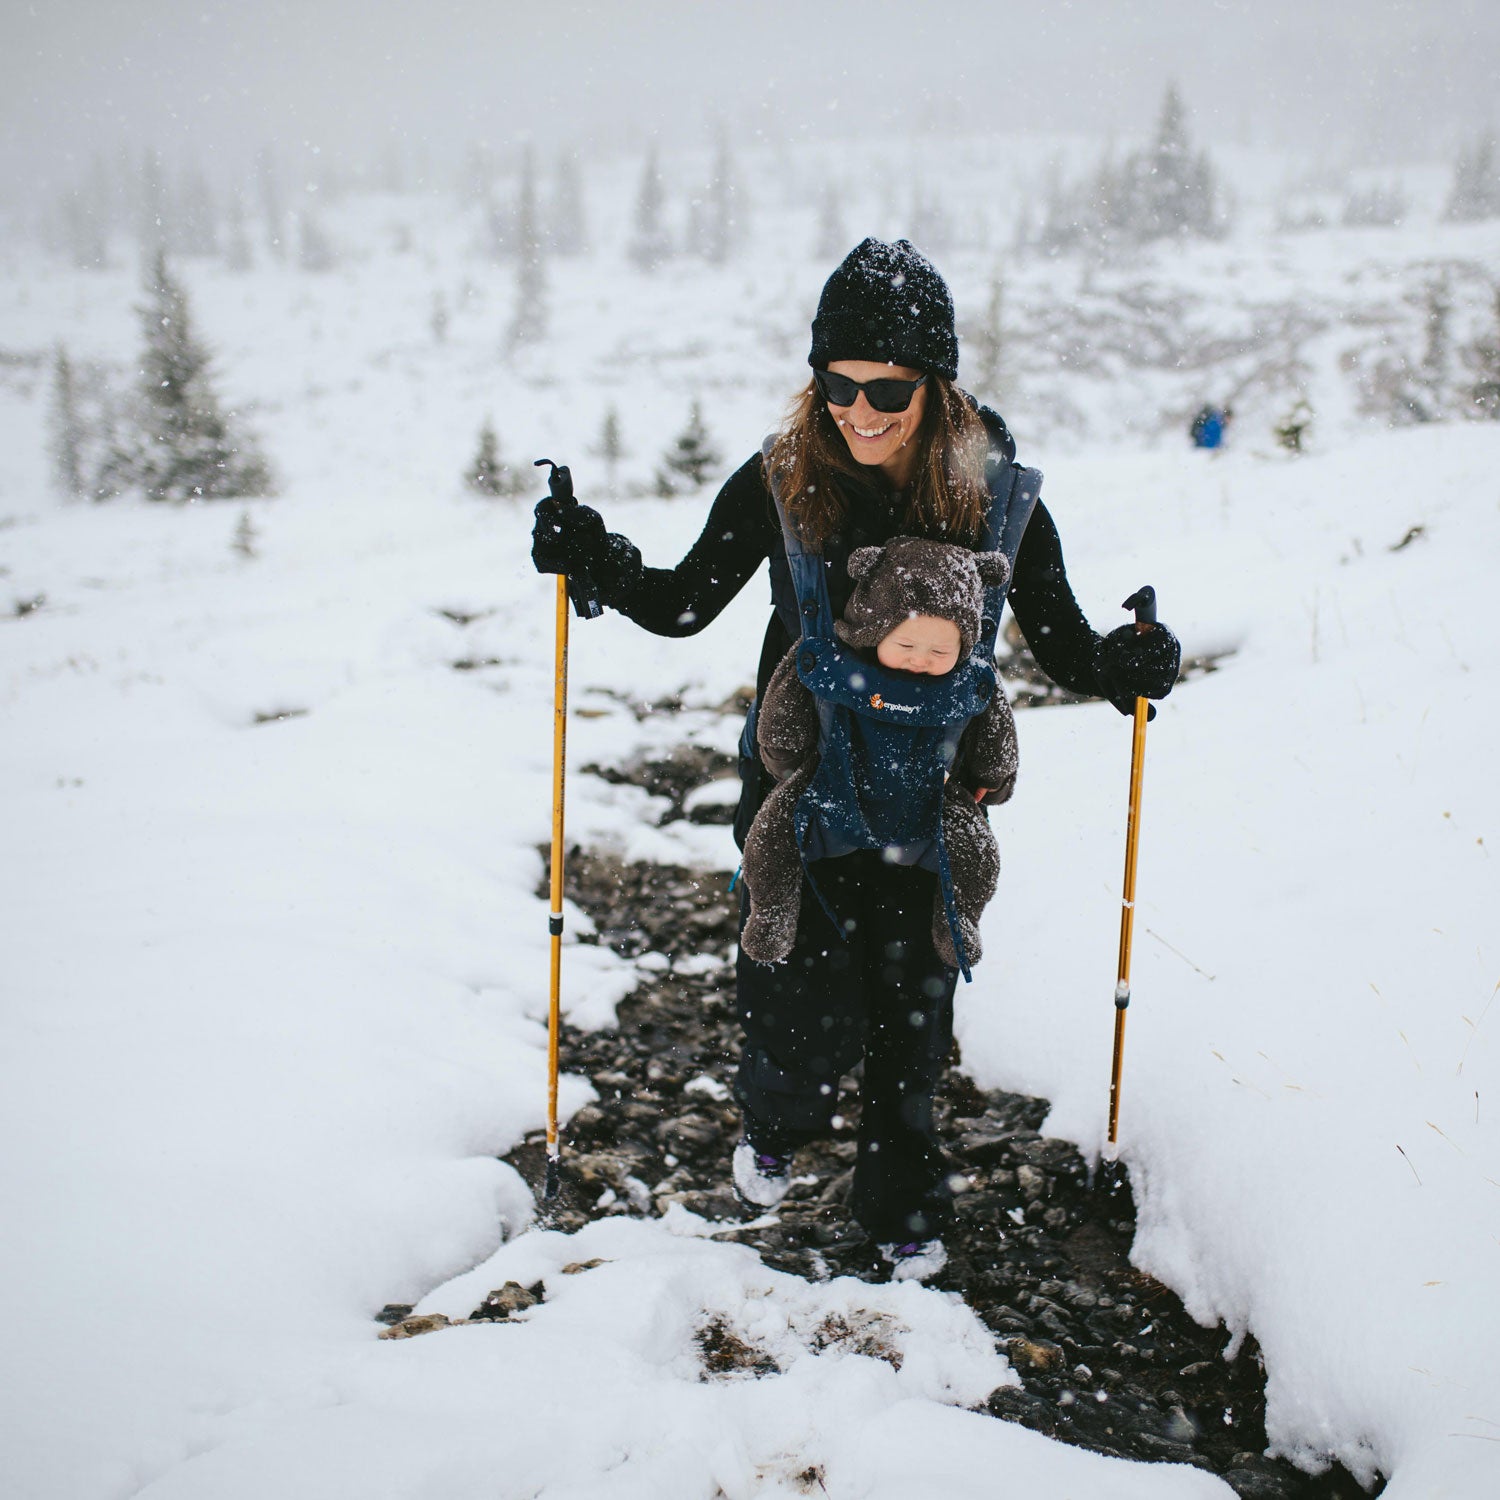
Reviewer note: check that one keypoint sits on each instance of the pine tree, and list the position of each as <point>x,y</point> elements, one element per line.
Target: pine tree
<point>528,323</point>
<point>488,474</point>
<point>567,229</point>
<point>270,202</point>
<point>1374,207</point>
<point>832,241</point>
<point>69,433</point>
<point>1168,189</point>
<point>719,228</point>
<point>238,256</point>
<point>245,537</point>
<point>315,250</point>
<point>650,244</point>
<point>153,232</point>
<point>1475,193</point>
<point>185,449</point>
<point>984,345</point>
<point>84,230</point>
<point>196,218</point>
<point>1292,428</point>
<point>1483,358</point>
<point>690,460</point>
<point>610,447</point>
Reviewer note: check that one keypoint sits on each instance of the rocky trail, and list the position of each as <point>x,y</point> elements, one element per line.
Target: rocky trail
<point>1108,1357</point>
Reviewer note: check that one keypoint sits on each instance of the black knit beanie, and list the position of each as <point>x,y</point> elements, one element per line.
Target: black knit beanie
<point>886,303</point>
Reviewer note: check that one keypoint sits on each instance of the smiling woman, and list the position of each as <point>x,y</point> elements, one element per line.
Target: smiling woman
<point>881,452</point>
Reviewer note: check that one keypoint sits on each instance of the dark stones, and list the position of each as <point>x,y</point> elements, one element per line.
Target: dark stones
<point>505,1300</point>
<point>1108,1358</point>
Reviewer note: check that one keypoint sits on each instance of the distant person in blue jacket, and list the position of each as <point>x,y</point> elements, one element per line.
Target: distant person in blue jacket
<point>1208,426</point>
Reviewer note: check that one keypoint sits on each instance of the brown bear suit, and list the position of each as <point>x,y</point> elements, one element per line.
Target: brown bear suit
<point>908,576</point>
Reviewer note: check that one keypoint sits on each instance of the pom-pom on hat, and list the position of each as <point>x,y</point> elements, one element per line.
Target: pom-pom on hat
<point>886,302</point>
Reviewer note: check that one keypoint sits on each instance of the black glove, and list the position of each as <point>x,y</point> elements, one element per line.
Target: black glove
<point>1138,664</point>
<point>572,539</point>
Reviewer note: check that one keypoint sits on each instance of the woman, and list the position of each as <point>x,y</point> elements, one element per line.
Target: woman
<point>881,443</point>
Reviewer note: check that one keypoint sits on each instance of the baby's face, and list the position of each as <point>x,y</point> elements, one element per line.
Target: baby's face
<point>921,643</point>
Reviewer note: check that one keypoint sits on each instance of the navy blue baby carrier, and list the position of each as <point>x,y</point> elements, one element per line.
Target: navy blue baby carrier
<point>888,737</point>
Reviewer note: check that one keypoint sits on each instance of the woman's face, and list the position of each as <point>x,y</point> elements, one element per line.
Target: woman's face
<point>880,438</point>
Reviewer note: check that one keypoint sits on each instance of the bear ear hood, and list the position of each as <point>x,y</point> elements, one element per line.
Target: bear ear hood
<point>993,568</point>
<point>912,576</point>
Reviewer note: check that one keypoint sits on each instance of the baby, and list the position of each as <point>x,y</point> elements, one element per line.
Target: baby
<point>918,606</point>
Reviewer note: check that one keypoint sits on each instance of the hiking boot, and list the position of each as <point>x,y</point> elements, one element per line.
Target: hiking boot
<point>916,1260</point>
<point>761,1178</point>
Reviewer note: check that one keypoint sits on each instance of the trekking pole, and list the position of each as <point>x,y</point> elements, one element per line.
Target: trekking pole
<point>1143,602</point>
<point>580,588</point>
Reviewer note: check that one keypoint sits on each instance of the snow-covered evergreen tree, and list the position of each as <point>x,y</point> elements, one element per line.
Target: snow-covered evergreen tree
<point>690,460</point>
<point>650,244</point>
<point>489,474</point>
<point>528,322</point>
<point>84,229</point>
<point>984,348</point>
<point>152,232</point>
<point>315,250</point>
<point>1169,189</point>
<point>1408,389</point>
<point>928,222</point>
<point>1375,207</point>
<point>831,242</point>
<point>1483,360</point>
<point>716,223</point>
<point>68,431</point>
<point>1475,193</point>
<point>1291,430</point>
<point>610,447</point>
<point>271,208</point>
<point>238,256</point>
<point>183,447</point>
<point>196,218</point>
<point>567,226</point>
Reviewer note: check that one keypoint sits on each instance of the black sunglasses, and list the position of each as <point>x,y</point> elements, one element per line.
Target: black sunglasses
<point>883,395</point>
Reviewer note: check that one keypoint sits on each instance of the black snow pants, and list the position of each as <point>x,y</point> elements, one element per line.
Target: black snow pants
<point>881,994</point>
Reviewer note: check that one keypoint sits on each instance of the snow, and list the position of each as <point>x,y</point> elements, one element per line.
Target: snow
<point>276,991</point>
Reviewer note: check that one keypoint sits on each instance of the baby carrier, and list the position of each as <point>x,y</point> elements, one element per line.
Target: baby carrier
<point>887,737</point>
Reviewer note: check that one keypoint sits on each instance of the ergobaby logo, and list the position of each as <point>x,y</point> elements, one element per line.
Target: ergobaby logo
<point>876,701</point>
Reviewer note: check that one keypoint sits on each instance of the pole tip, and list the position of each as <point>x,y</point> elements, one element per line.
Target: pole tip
<point>553,1179</point>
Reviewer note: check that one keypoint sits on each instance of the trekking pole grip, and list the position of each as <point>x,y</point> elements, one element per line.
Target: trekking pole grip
<point>1143,602</point>
<point>580,583</point>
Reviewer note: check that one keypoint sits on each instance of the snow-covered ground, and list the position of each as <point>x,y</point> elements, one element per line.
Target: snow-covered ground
<point>275,991</point>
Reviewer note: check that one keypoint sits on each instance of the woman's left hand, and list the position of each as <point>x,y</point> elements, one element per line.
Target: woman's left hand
<point>1138,664</point>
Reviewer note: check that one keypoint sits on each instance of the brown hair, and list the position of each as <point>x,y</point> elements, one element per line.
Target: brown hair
<point>947,498</point>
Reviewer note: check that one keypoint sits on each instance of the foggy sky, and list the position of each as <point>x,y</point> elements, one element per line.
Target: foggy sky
<point>1386,79</point>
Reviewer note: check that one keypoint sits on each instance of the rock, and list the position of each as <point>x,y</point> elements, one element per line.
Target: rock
<point>1031,1182</point>
<point>1258,1484</point>
<point>393,1312</point>
<point>410,1328</point>
<point>1029,1354</point>
<point>690,1132</point>
<point>980,1147</point>
<point>577,1267</point>
<point>505,1300</point>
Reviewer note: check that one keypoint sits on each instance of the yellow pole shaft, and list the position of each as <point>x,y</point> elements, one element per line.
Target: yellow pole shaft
<point>1127,914</point>
<point>554,924</point>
